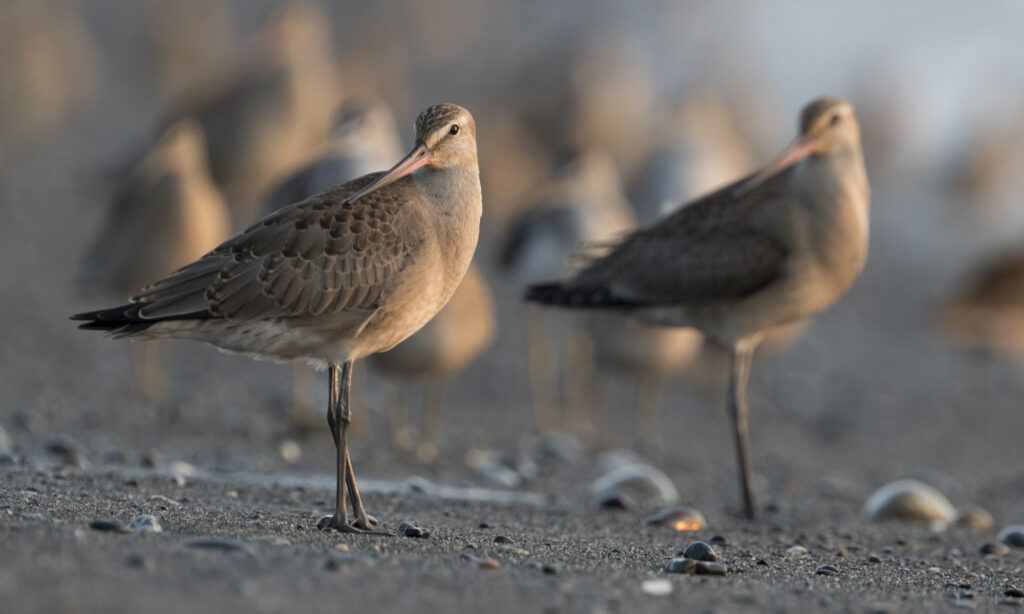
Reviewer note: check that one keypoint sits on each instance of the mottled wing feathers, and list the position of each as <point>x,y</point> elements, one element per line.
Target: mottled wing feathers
<point>318,256</point>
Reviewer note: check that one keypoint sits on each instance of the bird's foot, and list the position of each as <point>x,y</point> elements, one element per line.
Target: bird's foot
<point>356,527</point>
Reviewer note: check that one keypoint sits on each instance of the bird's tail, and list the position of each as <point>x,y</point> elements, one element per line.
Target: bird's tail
<point>568,294</point>
<point>126,320</point>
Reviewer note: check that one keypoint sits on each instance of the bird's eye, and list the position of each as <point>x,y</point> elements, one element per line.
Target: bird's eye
<point>834,119</point>
<point>454,129</point>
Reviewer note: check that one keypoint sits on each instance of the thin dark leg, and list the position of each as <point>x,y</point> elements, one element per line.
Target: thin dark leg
<point>740,356</point>
<point>338,418</point>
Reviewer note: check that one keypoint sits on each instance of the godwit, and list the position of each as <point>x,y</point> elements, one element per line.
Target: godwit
<point>771,249</point>
<point>439,351</point>
<point>166,214</point>
<point>334,278</point>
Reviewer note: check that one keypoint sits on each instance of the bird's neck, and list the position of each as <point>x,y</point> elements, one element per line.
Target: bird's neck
<point>455,195</point>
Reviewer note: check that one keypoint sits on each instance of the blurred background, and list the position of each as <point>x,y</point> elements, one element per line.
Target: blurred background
<point>136,136</point>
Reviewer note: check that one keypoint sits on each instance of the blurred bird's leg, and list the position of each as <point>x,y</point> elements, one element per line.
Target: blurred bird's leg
<point>739,372</point>
<point>400,432</point>
<point>647,409</point>
<point>338,418</point>
<point>149,375</point>
<point>540,360</point>
<point>577,378</point>
<point>301,411</point>
<point>433,405</point>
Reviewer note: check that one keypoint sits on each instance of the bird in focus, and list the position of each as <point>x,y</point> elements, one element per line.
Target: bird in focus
<point>769,250</point>
<point>333,278</point>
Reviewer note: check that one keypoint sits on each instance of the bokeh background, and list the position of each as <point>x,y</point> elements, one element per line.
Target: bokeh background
<point>874,390</point>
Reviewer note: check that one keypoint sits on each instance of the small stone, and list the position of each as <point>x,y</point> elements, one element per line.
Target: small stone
<point>826,570</point>
<point>1012,535</point>
<point>410,530</point>
<point>165,500</point>
<point>679,518</point>
<point>65,451</point>
<point>338,560</point>
<point>484,525</point>
<point>692,567</point>
<point>658,587</point>
<point>699,551</point>
<point>1016,603</point>
<point>138,561</point>
<point>995,549</point>
<point>762,562</point>
<point>489,563</point>
<point>152,459</point>
<point>502,539</point>
<point>551,569</point>
<point>974,518</point>
<point>965,595</point>
<point>224,545</point>
<point>178,480</point>
<point>910,501</point>
<point>795,551</point>
<point>935,570</point>
<point>1014,592</point>
<point>145,524</point>
<point>874,558</point>
<point>718,540</point>
<point>512,550</point>
<point>109,526</point>
<point>290,451</point>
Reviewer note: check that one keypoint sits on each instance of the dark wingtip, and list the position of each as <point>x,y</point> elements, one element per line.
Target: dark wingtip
<point>564,295</point>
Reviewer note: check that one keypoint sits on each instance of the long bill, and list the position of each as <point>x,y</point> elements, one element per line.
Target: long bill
<point>799,149</point>
<point>417,158</point>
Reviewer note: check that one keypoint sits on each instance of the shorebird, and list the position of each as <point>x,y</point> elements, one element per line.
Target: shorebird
<point>166,214</point>
<point>581,205</point>
<point>331,279</point>
<point>264,113</point>
<point>771,249</point>
<point>364,138</point>
<point>439,351</point>
<point>987,311</point>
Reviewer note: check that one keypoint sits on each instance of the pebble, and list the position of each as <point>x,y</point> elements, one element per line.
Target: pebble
<point>138,561</point>
<point>795,551</point>
<point>410,530</point>
<point>152,459</point>
<point>551,569</point>
<point>290,451</point>
<point>503,539</point>
<point>718,540</point>
<point>513,550</point>
<point>911,501</point>
<point>974,518</point>
<point>145,523</point>
<point>110,526</point>
<point>1017,603</point>
<point>337,560</point>
<point>224,545</point>
<point>1014,592</point>
<point>164,500</point>
<point>658,587</point>
<point>827,570</point>
<point>635,485</point>
<point>1012,535</point>
<point>488,563</point>
<point>874,558</point>
<point>679,518</point>
<point>66,452</point>
<point>996,549</point>
<point>692,567</point>
<point>699,551</point>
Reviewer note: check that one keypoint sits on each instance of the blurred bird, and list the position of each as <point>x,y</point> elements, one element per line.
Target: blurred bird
<point>580,206</point>
<point>266,113</point>
<point>332,279</point>
<point>186,40</point>
<point>436,353</point>
<point>987,311</point>
<point>773,248</point>
<point>167,213</point>
<point>364,138</point>
<point>51,67</point>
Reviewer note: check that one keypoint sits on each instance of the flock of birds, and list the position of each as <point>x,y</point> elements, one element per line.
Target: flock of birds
<point>242,239</point>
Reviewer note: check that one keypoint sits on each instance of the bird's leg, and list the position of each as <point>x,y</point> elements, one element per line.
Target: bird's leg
<point>338,418</point>
<point>577,377</point>
<point>539,361</point>
<point>740,355</point>
<point>362,522</point>
<point>433,405</point>
<point>648,401</point>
